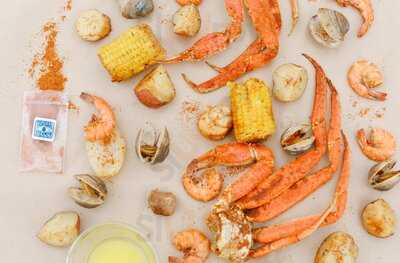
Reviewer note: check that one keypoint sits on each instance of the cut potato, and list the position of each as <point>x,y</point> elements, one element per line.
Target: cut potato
<point>162,203</point>
<point>337,247</point>
<point>187,20</point>
<point>216,122</point>
<point>156,88</point>
<point>93,25</point>
<point>290,82</point>
<point>106,158</point>
<point>379,219</point>
<point>61,229</point>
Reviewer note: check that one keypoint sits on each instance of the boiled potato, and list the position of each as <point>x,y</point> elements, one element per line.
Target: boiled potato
<point>379,219</point>
<point>187,20</point>
<point>106,158</point>
<point>162,203</point>
<point>338,247</point>
<point>93,25</point>
<point>156,88</point>
<point>61,229</point>
<point>216,122</point>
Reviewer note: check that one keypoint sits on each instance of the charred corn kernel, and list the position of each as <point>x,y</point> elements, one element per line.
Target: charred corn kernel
<point>131,53</point>
<point>252,114</point>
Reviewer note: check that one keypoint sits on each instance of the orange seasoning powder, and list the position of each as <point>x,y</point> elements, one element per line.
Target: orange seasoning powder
<point>49,64</point>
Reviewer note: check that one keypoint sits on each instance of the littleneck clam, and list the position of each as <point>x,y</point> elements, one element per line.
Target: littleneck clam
<point>329,27</point>
<point>136,8</point>
<point>152,145</point>
<point>297,139</point>
<point>91,193</point>
<point>382,177</point>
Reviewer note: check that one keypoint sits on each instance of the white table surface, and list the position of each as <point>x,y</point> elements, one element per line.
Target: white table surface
<point>26,201</point>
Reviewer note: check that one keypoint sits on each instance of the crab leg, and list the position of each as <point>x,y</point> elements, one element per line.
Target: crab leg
<point>276,232</point>
<point>303,188</point>
<point>295,14</point>
<point>213,43</point>
<point>237,154</point>
<point>297,169</point>
<point>255,56</point>
<point>284,242</point>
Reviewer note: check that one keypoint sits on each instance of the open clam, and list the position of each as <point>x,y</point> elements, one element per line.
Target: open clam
<point>91,193</point>
<point>152,145</point>
<point>297,139</point>
<point>382,177</point>
<point>329,27</point>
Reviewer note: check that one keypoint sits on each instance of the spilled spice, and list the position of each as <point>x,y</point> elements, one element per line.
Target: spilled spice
<point>190,111</point>
<point>47,66</point>
<point>363,112</point>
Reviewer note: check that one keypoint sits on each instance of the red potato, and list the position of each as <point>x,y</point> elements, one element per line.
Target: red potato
<point>156,88</point>
<point>61,229</point>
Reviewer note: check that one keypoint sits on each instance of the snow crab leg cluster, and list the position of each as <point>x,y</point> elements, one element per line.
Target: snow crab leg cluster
<point>266,19</point>
<point>261,193</point>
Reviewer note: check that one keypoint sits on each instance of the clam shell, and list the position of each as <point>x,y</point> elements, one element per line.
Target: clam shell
<point>152,145</point>
<point>382,177</point>
<point>92,192</point>
<point>329,27</point>
<point>297,139</point>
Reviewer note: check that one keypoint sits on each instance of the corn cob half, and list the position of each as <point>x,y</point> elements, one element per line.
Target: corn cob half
<point>130,53</point>
<point>252,114</point>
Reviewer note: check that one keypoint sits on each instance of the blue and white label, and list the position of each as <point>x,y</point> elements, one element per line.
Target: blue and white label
<point>44,129</point>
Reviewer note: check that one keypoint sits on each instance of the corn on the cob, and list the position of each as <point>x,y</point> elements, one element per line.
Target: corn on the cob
<point>252,114</point>
<point>131,53</point>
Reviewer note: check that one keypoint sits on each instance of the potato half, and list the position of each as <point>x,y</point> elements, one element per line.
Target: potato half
<point>61,229</point>
<point>338,247</point>
<point>106,158</point>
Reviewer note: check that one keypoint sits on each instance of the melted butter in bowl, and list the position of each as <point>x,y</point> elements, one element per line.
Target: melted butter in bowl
<point>111,243</point>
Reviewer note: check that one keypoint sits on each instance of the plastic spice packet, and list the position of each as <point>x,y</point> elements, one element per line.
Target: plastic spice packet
<point>44,131</point>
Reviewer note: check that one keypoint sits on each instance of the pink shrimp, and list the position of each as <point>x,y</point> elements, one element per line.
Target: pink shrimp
<point>380,145</point>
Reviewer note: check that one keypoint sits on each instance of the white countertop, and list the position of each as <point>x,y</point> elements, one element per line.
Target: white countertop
<point>27,201</point>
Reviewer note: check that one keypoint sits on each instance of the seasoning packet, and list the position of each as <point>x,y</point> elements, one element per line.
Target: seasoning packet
<point>44,131</point>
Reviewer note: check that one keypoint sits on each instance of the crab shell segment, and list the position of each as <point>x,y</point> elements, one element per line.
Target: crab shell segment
<point>232,233</point>
<point>152,145</point>
<point>382,177</point>
<point>297,139</point>
<point>91,193</point>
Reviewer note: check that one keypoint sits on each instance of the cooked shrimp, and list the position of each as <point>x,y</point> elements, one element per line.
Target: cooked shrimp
<point>101,125</point>
<point>204,187</point>
<point>380,145</point>
<point>194,245</point>
<point>363,76</point>
<point>366,11</point>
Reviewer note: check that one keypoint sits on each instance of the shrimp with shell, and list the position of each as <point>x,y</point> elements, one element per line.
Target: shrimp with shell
<point>379,146</point>
<point>366,10</point>
<point>363,76</point>
<point>194,245</point>
<point>101,125</point>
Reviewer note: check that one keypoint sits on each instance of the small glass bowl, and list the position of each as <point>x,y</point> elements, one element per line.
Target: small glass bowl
<point>91,238</point>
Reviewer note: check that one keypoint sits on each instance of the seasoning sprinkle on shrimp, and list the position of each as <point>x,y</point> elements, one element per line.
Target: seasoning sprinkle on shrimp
<point>380,145</point>
<point>363,76</point>
<point>194,245</point>
<point>101,125</point>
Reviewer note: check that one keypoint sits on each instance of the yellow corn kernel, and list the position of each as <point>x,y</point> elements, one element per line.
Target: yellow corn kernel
<point>131,53</point>
<point>251,103</point>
